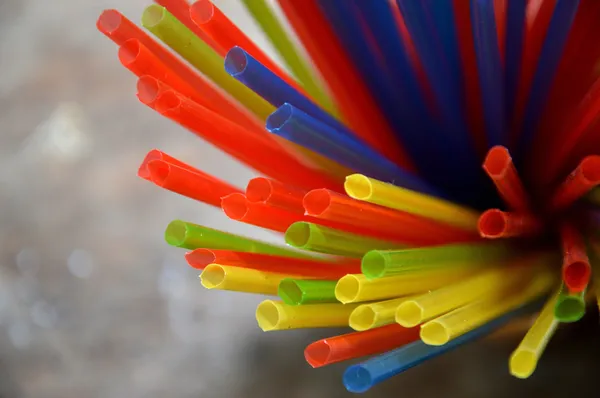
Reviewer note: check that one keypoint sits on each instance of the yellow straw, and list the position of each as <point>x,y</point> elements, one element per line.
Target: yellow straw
<point>370,190</point>
<point>462,320</point>
<point>355,288</point>
<point>275,315</point>
<point>374,315</point>
<point>224,277</point>
<point>524,359</point>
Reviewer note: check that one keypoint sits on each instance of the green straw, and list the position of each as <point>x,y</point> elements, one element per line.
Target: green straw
<point>191,236</point>
<point>380,263</point>
<point>176,35</point>
<point>264,15</point>
<point>316,238</point>
<point>570,307</point>
<point>306,291</point>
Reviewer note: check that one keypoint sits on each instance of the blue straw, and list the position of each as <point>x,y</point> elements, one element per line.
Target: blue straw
<point>489,66</point>
<point>515,32</point>
<point>296,126</point>
<point>554,43</point>
<point>361,377</point>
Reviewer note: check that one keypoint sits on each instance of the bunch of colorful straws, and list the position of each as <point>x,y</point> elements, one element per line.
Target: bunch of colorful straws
<point>372,152</point>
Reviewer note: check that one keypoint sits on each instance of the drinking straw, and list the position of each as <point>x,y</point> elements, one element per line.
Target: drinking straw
<point>277,35</point>
<point>298,127</point>
<point>576,268</point>
<point>495,224</point>
<point>199,186</point>
<point>357,288</point>
<point>275,193</point>
<point>304,291</point>
<point>275,315</point>
<point>238,208</point>
<point>223,277</point>
<point>358,344</point>
<point>373,315</point>
<point>215,24</point>
<point>554,43</point>
<point>289,262</point>
<point>490,71</point>
<point>370,190</point>
<point>499,167</point>
<point>440,331</point>
<point>155,154</point>
<point>382,263</point>
<point>515,32</point>
<point>569,307</point>
<point>585,177</point>
<point>350,94</point>
<point>361,377</point>
<point>420,309</point>
<point>168,29</point>
<point>320,239</point>
<point>331,206</point>
<point>249,147</point>
<point>192,236</point>
<point>500,21</point>
<point>524,359</point>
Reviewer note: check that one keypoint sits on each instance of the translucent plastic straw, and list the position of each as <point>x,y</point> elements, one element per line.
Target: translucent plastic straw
<point>570,307</point>
<point>373,315</point>
<point>155,154</point>
<point>275,193</point>
<point>223,277</point>
<point>585,177</point>
<point>316,238</point>
<point>168,29</point>
<point>302,292</point>
<point>524,359</point>
<point>357,288</point>
<point>576,268</point>
<point>293,262</point>
<point>494,224</point>
<point>499,167</point>
<point>358,344</point>
<point>191,236</point>
<point>361,377</point>
<point>462,320</point>
<point>370,190</point>
<point>382,263</point>
<point>275,315</point>
<point>199,186</point>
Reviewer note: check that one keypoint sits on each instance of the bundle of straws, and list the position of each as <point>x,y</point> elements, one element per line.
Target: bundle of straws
<point>372,152</point>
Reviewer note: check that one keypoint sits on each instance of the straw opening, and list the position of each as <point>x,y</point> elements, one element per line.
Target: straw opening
<point>147,89</point>
<point>347,289</point>
<point>298,234</point>
<point>259,190</point>
<point>153,15</point>
<point>434,333</point>
<point>290,292</point>
<point>590,169</point>
<point>357,379</point>
<point>202,11</point>
<point>362,318</point>
<point>358,187</point>
<point>235,206</point>
<point>143,171</point>
<point>316,202</point>
<point>109,21</point>
<point>236,61</point>
<point>159,171</point>
<point>373,265</point>
<point>522,364</point>
<point>267,315</point>
<point>317,354</point>
<point>277,119</point>
<point>492,224</point>
<point>129,52</point>
<point>497,161</point>
<point>213,276</point>
<point>176,233</point>
<point>200,258</point>
<point>409,314</point>
<point>576,275</point>
<point>570,309</point>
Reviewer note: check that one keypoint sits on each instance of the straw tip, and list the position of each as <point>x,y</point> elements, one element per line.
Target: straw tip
<point>373,264</point>
<point>522,364</point>
<point>497,161</point>
<point>362,318</point>
<point>236,61</point>
<point>347,289</point>
<point>409,314</point>
<point>279,118</point>
<point>316,202</point>
<point>148,89</point>
<point>213,276</point>
<point>290,292</point>
<point>153,15</point>
<point>298,234</point>
<point>159,171</point>
<point>357,379</point>
<point>200,258</point>
<point>358,186</point>
<point>268,315</point>
<point>109,21</point>
<point>202,11</point>
<point>176,233</point>
<point>434,333</point>
<point>569,309</point>
<point>317,354</point>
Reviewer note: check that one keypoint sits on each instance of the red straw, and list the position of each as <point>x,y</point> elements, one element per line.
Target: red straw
<point>195,185</point>
<point>200,258</point>
<point>585,177</point>
<point>500,13</point>
<point>495,224</point>
<point>358,344</point>
<point>155,154</point>
<point>499,167</point>
<point>576,269</point>
<point>348,90</point>
<point>274,193</point>
<point>238,208</point>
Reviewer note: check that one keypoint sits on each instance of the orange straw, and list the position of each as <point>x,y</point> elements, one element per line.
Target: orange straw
<point>494,224</point>
<point>576,268</point>
<point>155,154</point>
<point>499,167</point>
<point>200,258</point>
<point>215,24</point>
<point>350,94</point>
<point>585,177</point>
<point>238,208</point>
<point>196,185</point>
<point>274,193</point>
<point>358,344</point>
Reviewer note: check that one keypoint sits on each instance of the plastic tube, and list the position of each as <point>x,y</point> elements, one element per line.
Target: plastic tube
<point>373,315</point>
<point>155,154</point>
<point>585,177</point>
<point>275,193</point>
<point>358,344</point>
<point>570,307</point>
<point>576,268</point>
<point>494,224</point>
<point>370,190</point>
<point>275,315</point>
<point>524,359</point>
<point>223,277</point>
<point>499,167</point>
<point>238,208</point>
<point>515,32</point>
<point>317,238</point>
<point>302,292</point>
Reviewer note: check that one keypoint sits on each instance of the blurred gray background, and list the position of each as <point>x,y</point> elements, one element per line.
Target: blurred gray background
<point>93,303</point>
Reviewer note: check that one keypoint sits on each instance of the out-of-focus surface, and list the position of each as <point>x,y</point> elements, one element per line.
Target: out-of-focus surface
<point>93,303</point>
